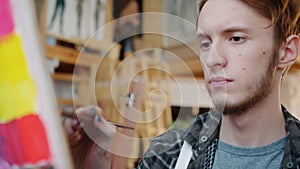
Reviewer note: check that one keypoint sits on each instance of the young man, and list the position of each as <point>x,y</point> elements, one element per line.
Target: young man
<point>245,48</point>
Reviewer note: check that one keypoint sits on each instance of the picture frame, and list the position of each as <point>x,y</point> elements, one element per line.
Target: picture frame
<point>129,26</point>
<point>184,28</point>
<point>75,19</point>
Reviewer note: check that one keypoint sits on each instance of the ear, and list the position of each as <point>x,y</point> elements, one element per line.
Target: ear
<point>288,52</point>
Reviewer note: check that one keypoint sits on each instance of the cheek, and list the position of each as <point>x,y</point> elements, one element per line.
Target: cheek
<point>252,61</point>
<point>240,63</point>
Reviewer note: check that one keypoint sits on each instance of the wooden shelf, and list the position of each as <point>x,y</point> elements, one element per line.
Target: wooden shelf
<point>69,77</point>
<point>89,43</point>
<point>79,62</point>
<point>65,101</point>
<point>70,56</point>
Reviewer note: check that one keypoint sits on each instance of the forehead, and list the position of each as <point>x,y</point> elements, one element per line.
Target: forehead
<point>218,14</point>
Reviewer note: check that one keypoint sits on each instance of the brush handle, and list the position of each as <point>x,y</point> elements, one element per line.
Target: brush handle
<point>74,116</point>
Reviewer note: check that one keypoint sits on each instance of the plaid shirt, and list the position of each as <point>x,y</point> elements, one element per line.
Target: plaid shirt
<point>202,135</point>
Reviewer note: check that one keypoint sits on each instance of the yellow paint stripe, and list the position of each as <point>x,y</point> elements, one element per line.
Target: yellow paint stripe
<point>13,65</point>
<point>17,100</point>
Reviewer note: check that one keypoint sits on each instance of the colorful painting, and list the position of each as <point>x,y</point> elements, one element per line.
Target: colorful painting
<point>23,138</point>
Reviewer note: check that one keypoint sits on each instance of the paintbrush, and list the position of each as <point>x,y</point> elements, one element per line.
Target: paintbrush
<point>74,116</point>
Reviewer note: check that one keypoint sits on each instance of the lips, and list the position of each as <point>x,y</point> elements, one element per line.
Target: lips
<point>219,81</point>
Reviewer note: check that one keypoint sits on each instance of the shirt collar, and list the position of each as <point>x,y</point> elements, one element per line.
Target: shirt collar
<point>292,146</point>
<point>207,125</point>
<point>204,130</point>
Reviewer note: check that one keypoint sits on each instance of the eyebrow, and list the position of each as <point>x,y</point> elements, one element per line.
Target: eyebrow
<point>236,29</point>
<point>202,34</point>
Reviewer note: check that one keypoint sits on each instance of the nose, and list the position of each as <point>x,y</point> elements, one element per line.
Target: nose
<point>215,57</point>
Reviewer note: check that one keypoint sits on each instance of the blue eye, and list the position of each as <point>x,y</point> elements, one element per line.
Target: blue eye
<point>237,39</point>
<point>205,45</point>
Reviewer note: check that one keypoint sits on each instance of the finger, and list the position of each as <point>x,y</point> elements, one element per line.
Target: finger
<point>68,126</point>
<point>93,121</point>
<point>87,114</point>
<point>105,127</point>
<point>75,124</point>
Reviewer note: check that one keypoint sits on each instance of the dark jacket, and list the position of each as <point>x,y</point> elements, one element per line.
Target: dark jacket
<point>202,135</point>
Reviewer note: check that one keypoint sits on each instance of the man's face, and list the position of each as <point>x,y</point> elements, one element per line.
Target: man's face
<point>237,54</point>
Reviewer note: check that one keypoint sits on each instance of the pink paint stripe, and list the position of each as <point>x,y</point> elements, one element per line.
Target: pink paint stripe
<point>10,147</point>
<point>4,164</point>
<point>6,18</point>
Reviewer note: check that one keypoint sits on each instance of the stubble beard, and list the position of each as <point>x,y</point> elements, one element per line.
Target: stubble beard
<point>256,94</point>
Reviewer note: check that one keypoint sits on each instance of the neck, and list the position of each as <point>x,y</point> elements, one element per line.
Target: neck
<point>261,125</point>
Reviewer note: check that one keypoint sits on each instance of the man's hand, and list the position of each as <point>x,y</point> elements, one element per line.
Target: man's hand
<point>94,124</point>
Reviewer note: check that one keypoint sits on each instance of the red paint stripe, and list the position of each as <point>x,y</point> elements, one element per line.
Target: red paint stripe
<point>24,141</point>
